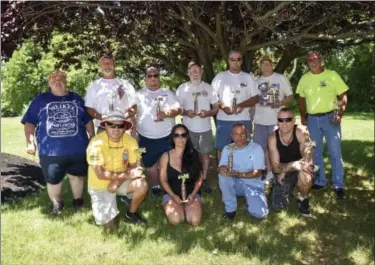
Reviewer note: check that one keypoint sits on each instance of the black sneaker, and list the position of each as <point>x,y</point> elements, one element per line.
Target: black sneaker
<point>206,188</point>
<point>304,207</point>
<point>340,193</point>
<point>57,207</point>
<point>78,204</point>
<point>135,218</point>
<point>126,200</point>
<point>230,215</point>
<point>156,191</point>
<point>318,187</point>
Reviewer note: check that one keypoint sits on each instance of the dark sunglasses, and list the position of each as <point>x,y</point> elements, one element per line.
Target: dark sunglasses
<point>119,126</point>
<point>183,135</point>
<point>151,76</point>
<point>285,119</point>
<point>235,59</point>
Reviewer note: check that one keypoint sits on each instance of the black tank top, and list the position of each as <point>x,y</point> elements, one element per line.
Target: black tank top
<point>175,183</point>
<point>290,152</point>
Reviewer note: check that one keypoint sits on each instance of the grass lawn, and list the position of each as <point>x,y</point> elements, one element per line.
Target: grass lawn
<point>342,233</point>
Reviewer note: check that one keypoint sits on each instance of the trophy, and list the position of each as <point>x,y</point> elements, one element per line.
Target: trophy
<point>140,151</point>
<point>231,148</point>
<point>234,100</point>
<point>183,178</point>
<point>158,107</point>
<point>273,93</point>
<point>111,99</point>
<point>308,152</point>
<point>196,95</point>
<point>336,111</point>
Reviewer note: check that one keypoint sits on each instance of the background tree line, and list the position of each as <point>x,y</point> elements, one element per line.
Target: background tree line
<point>38,37</point>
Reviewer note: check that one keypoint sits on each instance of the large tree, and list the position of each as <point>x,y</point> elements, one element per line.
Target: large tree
<point>171,33</point>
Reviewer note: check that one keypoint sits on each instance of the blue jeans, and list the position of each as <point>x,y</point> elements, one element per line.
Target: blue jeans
<point>320,127</point>
<point>251,189</point>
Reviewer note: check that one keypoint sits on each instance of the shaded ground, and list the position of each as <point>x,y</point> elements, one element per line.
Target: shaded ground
<point>19,177</point>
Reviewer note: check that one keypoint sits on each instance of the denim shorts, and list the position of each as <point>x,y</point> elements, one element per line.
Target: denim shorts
<point>223,131</point>
<point>56,167</point>
<point>167,197</point>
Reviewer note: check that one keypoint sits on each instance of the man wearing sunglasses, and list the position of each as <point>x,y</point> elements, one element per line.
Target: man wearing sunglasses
<point>113,170</point>
<point>242,176</point>
<point>274,92</point>
<point>156,111</point>
<point>109,93</point>
<point>286,147</point>
<point>199,102</point>
<point>234,89</point>
<point>322,103</point>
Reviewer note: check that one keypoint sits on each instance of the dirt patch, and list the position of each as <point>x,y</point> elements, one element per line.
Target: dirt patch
<point>19,177</point>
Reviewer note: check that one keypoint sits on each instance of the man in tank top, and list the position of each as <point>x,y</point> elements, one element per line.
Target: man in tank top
<point>288,147</point>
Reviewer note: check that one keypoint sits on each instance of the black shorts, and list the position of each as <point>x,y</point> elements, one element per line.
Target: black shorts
<point>280,194</point>
<point>56,167</point>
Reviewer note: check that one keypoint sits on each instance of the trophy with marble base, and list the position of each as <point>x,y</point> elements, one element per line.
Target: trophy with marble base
<point>158,108</point>
<point>196,108</point>
<point>183,178</point>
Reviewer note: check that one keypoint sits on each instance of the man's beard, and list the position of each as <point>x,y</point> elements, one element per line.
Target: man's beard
<point>195,81</point>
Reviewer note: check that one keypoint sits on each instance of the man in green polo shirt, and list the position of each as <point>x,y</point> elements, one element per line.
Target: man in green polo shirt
<point>322,103</point>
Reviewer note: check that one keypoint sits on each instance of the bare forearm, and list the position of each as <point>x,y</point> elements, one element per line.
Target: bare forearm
<point>197,186</point>
<point>249,102</point>
<point>166,187</point>
<point>286,100</point>
<point>256,173</point>
<point>29,133</point>
<point>302,107</point>
<point>285,167</point>
<point>343,103</point>
<point>90,129</point>
<point>93,113</point>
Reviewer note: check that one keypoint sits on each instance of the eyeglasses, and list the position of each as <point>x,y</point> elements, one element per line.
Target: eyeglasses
<point>183,135</point>
<point>119,126</point>
<point>289,119</point>
<point>153,76</point>
<point>235,59</point>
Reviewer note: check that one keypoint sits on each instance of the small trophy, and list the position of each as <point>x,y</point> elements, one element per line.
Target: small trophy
<point>274,99</point>
<point>196,95</point>
<point>158,107</point>
<point>336,111</point>
<point>140,151</point>
<point>111,99</point>
<point>231,148</point>
<point>308,152</point>
<point>183,178</point>
<point>234,100</point>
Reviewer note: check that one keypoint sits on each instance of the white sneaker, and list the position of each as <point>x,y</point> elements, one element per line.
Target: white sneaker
<point>269,177</point>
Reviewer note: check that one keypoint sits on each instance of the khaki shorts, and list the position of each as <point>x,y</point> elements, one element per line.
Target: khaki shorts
<point>202,142</point>
<point>104,204</point>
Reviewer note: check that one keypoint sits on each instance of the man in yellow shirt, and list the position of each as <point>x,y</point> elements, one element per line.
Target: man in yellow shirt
<point>113,170</point>
<point>322,103</point>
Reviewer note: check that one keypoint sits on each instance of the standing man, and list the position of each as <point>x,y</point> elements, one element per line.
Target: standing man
<point>199,102</point>
<point>112,156</point>
<point>274,91</point>
<point>322,103</point>
<point>109,93</point>
<point>291,158</point>
<point>237,92</point>
<point>240,170</point>
<point>156,111</point>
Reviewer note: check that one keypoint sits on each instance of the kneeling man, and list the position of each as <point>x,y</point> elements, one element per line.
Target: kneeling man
<point>241,176</point>
<point>112,157</point>
<point>290,151</point>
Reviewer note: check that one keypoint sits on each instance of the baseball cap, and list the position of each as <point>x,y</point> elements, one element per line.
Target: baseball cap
<point>266,57</point>
<point>116,115</point>
<point>192,63</point>
<point>313,55</point>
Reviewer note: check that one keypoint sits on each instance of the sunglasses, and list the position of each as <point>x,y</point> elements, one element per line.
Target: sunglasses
<point>285,119</point>
<point>235,59</point>
<point>119,126</point>
<point>183,135</point>
<point>153,76</point>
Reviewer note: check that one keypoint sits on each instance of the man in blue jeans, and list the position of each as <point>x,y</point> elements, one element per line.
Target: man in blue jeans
<point>322,103</point>
<point>241,176</point>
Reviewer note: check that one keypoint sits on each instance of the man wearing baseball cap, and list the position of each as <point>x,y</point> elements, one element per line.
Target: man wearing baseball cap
<point>322,103</point>
<point>113,170</point>
<point>274,92</point>
<point>199,103</point>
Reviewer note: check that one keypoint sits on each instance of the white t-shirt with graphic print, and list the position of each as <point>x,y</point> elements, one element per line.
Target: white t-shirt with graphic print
<point>147,101</point>
<point>228,85</point>
<point>103,91</point>
<point>275,85</point>
<point>206,96</point>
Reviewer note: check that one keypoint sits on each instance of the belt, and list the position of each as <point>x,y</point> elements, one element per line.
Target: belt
<point>321,114</point>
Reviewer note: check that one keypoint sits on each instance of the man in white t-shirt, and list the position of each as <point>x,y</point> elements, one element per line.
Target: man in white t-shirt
<point>237,93</point>
<point>156,111</point>
<point>274,92</point>
<point>199,102</point>
<point>109,93</point>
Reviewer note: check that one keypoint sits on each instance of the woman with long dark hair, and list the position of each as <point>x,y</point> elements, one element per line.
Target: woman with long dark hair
<point>183,159</point>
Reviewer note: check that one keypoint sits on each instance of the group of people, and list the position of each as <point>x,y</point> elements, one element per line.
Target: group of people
<point>119,137</point>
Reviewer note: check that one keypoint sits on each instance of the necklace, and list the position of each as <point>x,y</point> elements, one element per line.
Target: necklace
<point>286,142</point>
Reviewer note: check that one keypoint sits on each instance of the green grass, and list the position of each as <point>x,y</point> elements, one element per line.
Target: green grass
<point>342,233</point>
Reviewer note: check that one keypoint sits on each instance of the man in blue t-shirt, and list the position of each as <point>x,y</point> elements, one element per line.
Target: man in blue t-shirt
<point>240,170</point>
<point>59,121</point>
